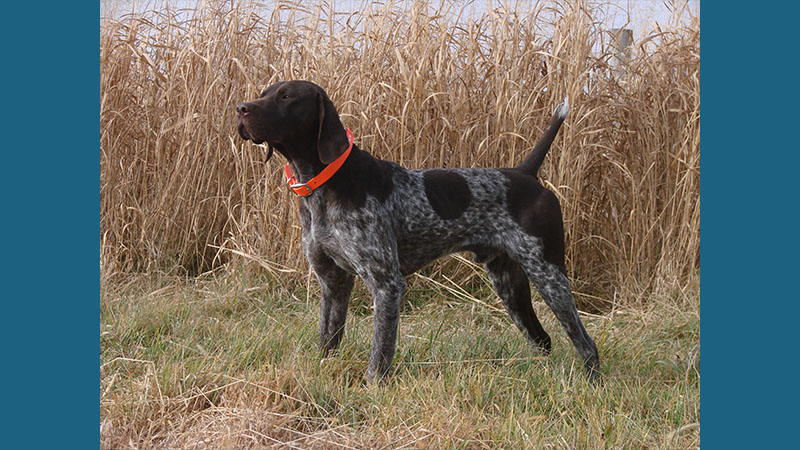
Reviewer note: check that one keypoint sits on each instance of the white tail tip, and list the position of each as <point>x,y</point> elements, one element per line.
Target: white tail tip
<point>563,108</point>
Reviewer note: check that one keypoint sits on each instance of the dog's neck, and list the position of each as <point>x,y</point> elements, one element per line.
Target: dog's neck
<point>305,170</point>
<point>302,158</point>
<point>313,171</point>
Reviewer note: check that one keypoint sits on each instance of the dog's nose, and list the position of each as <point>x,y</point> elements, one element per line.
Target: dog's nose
<point>244,108</point>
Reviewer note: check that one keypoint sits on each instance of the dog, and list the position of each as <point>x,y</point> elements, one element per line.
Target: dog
<point>364,216</point>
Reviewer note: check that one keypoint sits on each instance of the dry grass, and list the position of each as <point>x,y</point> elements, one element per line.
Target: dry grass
<point>419,86</point>
<point>232,362</point>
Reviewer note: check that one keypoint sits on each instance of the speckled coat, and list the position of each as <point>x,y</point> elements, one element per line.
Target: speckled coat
<point>381,222</point>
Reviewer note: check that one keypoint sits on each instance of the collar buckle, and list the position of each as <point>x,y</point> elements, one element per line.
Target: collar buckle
<point>301,189</point>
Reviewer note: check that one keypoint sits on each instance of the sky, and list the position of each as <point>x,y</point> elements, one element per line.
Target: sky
<point>640,16</point>
<point>645,13</point>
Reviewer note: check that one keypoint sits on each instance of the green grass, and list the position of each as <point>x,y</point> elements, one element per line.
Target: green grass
<point>232,361</point>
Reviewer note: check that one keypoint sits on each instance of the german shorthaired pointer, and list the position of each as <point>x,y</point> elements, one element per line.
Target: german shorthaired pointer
<point>372,218</point>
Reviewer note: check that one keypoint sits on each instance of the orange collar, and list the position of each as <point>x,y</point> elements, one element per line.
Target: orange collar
<point>307,188</point>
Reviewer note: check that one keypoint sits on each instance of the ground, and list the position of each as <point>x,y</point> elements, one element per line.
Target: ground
<point>230,361</point>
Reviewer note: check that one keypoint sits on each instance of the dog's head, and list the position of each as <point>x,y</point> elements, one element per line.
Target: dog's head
<point>295,117</point>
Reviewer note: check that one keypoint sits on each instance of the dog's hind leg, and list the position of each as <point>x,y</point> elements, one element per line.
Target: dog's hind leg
<point>553,286</point>
<point>509,281</point>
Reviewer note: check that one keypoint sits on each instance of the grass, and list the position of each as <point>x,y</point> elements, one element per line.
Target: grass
<point>230,360</point>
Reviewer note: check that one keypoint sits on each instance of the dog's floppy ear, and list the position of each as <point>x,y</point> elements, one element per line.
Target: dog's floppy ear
<point>332,139</point>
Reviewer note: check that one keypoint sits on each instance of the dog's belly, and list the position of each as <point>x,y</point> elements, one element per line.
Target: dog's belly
<point>414,256</point>
<point>418,245</point>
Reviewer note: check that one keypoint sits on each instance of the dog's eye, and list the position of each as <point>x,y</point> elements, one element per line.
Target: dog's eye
<point>285,97</point>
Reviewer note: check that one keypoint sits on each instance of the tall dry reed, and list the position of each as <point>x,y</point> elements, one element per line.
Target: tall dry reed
<point>420,86</point>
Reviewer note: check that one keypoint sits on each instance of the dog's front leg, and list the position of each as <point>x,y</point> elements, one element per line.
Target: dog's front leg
<point>387,289</point>
<point>336,286</point>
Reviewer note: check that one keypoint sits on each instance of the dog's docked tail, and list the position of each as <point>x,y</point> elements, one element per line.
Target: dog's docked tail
<point>534,161</point>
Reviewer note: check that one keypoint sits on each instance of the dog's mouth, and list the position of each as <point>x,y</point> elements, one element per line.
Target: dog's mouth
<point>246,133</point>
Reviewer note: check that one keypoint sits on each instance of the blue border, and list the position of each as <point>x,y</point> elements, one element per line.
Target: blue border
<point>51,224</point>
<point>749,166</point>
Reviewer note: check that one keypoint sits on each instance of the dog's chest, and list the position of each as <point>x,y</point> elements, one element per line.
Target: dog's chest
<point>352,238</point>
